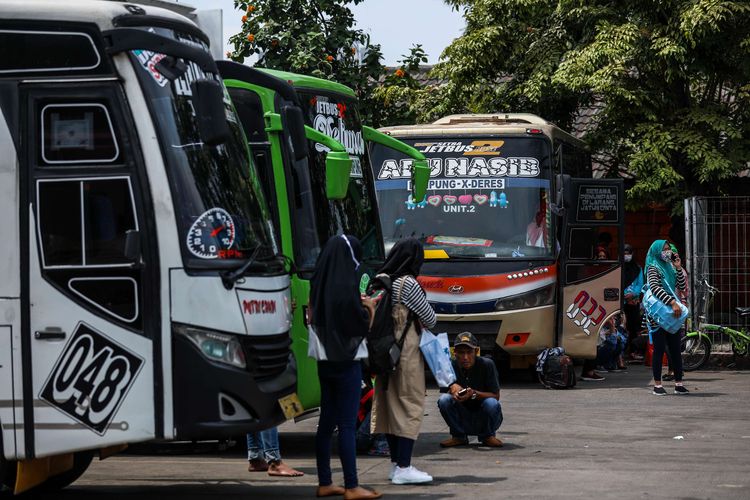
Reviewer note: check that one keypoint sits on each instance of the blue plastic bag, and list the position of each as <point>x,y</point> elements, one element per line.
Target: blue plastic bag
<point>662,313</point>
<point>436,352</point>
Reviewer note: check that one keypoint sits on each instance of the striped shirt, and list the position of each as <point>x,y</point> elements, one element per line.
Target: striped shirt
<point>655,283</point>
<point>413,297</point>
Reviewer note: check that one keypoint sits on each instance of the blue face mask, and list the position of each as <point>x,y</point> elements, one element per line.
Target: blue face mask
<point>666,255</point>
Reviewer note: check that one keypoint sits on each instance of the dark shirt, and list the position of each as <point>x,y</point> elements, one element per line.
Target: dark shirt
<point>481,377</point>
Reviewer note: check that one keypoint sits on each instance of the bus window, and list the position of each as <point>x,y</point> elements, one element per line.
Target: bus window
<point>77,133</point>
<point>576,161</point>
<point>593,243</point>
<point>84,222</point>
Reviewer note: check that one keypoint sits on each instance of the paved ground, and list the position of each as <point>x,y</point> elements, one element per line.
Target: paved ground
<point>609,439</point>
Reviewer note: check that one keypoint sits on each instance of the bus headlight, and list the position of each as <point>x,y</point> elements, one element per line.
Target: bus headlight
<point>215,346</point>
<point>536,298</point>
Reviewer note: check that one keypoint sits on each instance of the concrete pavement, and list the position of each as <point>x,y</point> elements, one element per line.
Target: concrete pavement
<point>609,439</point>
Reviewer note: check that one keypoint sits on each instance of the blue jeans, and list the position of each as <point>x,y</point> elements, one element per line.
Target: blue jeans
<point>608,352</point>
<point>482,422</point>
<point>264,445</point>
<point>340,388</point>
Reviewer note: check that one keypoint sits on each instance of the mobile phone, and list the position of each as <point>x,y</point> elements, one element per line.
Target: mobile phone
<point>463,391</point>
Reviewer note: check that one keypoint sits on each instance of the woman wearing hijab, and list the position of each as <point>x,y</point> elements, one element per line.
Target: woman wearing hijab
<point>340,320</point>
<point>683,296</point>
<point>633,279</point>
<point>665,279</point>
<point>398,405</point>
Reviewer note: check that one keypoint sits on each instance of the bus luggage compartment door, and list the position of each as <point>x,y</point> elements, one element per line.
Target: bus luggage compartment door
<point>591,261</point>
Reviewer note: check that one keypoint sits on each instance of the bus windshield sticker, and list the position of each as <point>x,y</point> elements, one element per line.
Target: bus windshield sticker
<point>498,166</point>
<point>212,235</point>
<point>91,378</point>
<point>148,61</point>
<point>330,119</point>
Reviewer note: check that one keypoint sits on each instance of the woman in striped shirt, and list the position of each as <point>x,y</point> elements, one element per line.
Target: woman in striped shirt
<point>398,405</point>
<point>665,278</point>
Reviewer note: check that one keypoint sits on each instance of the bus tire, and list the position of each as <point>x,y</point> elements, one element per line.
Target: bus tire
<point>81,462</point>
<point>695,352</point>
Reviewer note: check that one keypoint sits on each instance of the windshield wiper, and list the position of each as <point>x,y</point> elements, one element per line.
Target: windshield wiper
<point>229,278</point>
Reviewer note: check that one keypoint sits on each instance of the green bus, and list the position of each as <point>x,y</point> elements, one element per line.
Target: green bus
<point>310,149</point>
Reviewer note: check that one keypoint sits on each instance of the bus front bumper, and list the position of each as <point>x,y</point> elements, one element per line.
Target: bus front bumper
<point>215,401</point>
<point>518,332</point>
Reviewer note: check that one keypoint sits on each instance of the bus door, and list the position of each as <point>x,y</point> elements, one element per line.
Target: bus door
<point>90,321</point>
<point>591,247</point>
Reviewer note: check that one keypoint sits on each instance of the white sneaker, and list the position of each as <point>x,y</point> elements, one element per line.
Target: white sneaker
<point>392,472</point>
<point>410,475</point>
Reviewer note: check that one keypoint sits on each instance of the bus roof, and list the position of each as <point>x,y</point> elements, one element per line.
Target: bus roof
<point>479,124</point>
<point>310,82</point>
<point>100,12</point>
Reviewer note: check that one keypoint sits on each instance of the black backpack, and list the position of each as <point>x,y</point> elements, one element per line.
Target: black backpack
<point>384,349</point>
<point>557,371</point>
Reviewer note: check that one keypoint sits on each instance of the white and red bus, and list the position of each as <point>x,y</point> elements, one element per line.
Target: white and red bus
<point>511,225</point>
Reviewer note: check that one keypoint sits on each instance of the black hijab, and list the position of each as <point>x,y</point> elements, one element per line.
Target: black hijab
<point>630,269</point>
<point>339,318</point>
<point>406,257</point>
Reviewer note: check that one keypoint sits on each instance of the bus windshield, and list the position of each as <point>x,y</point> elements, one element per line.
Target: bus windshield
<point>317,217</point>
<point>488,198</point>
<point>222,215</point>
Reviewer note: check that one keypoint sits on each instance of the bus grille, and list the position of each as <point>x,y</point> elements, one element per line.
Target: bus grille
<point>267,355</point>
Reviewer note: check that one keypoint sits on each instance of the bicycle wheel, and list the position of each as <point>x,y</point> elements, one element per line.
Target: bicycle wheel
<point>695,352</point>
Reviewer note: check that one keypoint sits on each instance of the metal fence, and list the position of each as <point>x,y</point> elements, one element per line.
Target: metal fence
<point>717,240</point>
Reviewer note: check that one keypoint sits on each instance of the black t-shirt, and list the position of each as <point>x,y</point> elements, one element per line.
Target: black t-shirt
<point>481,377</point>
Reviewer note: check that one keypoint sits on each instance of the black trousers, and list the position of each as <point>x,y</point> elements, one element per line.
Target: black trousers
<point>664,340</point>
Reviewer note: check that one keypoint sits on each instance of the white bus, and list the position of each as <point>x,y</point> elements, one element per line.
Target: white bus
<point>142,295</point>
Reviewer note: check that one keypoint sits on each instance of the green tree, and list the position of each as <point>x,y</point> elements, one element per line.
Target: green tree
<point>312,37</point>
<point>318,38</point>
<point>668,80</point>
<point>398,94</point>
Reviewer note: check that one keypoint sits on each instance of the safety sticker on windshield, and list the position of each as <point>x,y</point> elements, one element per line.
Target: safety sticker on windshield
<point>91,378</point>
<point>148,61</point>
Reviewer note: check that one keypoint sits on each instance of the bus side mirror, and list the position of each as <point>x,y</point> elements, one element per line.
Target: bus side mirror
<point>132,245</point>
<point>421,177</point>
<point>338,172</point>
<point>208,99</point>
<point>294,122</point>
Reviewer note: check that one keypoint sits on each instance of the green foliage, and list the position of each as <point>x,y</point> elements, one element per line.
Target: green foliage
<point>318,38</point>
<point>669,80</point>
<point>311,37</point>
<point>398,95</point>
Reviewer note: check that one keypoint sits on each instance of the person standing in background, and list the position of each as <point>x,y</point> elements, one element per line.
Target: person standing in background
<point>340,320</point>
<point>634,281</point>
<point>263,454</point>
<point>664,279</point>
<point>398,405</point>
<point>683,295</point>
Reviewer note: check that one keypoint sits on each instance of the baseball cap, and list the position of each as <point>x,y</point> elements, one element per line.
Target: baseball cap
<point>466,338</point>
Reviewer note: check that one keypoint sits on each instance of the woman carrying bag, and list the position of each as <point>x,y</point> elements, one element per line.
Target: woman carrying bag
<point>398,405</point>
<point>664,280</point>
<point>340,321</point>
